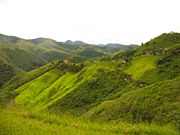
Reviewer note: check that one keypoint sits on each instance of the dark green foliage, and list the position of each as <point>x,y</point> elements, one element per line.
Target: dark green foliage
<point>22,59</point>
<point>54,55</point>
<point>23,78</point>
<point>6,73</point>
<point>6,92</point>
<point>167,68</point>
<point>8,39</point>
<point>90,53</point>
<point>126,56</point>
<point>71,67</point>
<point>159,103</point>
<point>157,45</point>
<point>75,67</point>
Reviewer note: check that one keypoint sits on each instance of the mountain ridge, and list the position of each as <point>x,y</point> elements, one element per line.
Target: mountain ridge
<point>25,55</point>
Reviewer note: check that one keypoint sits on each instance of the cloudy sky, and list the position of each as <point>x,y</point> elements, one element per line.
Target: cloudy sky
<point>92,21</point>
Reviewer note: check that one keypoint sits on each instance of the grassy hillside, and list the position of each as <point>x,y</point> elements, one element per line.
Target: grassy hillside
<point>19,58</point>
<point>25,55</point>
<point>103,84</point>
<point>61,86</point>
<point>49,49</point>
<point>141,65</point>
<point>138,86</point>
<point>167,67</point>
<point>47,124</point>
<point>159,44</point>
<point>157,103</point>
<point>6,92</point>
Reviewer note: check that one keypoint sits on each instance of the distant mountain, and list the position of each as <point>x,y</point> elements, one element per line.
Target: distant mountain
<point>37,40</point>
<point>69,42</point>
<point>111,45</point>
<point>24,55</point>
<point>8,39</point>
<point>49,49</point>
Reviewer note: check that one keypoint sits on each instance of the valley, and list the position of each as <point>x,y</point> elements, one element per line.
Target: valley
<point>99,90</point>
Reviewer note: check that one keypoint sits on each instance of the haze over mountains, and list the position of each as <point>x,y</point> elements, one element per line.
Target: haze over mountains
<point>24,55</point>
<point>48,50</point>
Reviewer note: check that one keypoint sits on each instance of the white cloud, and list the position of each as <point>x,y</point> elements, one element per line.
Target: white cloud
<point>93,21</point>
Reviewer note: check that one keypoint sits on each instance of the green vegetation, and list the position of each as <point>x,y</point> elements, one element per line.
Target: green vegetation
<point>15,123</point>
<point>134,92</point>
<point>30,90</point>
<point>25,55</point>
<point>21,52</point>
<point>103,84</point>
<point>20,58</point>
<point>159,44</point>
<point>23,78</point>
<point>6,73</point>
<point>140,65</point>
<point>157,103</point>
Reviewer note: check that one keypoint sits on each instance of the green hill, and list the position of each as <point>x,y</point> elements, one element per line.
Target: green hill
<point>49,49</point>
<point>24,55</point>
<point>158,103</point>
<point>141,65</point>
<point>159,44</point>
<point>139,90</point>
<point>20,58</point>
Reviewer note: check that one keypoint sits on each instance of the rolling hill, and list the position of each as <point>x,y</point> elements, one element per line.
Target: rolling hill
<point>49,49</point>
<point>139,87</point>
<point>24,55</point>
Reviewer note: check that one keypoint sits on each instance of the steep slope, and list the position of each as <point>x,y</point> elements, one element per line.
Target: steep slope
<point>6,92</point>
<point>158,103</point>
<point>159,44</point>
<point>8,39</point>
<point>68,83</point>
<point>20,58</point>
<point>141,65</point>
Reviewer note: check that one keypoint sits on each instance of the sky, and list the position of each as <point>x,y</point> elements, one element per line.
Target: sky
<point>91,21</point>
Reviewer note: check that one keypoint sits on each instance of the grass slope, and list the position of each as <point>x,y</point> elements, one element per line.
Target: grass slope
<point>159,44</point>
<point>141,65</point>
<point>50,91</point>
<point>109,90</point>
<point>15,123</point>
<point>6,92</point>
<point>30,90</point>
<point>20,58</point>
<point>100,86</point>
<point>159,103</point>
